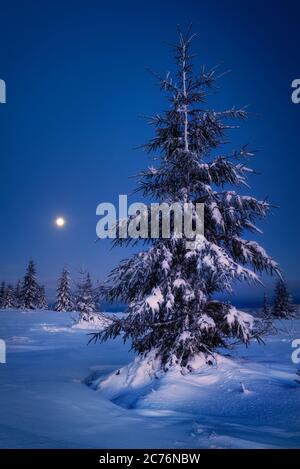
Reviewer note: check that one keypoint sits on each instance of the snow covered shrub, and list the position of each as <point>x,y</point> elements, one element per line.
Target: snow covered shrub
<point>89,321</point>
<point>170,288</point>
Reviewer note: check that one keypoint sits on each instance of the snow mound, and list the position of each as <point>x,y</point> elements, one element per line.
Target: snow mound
<point>136,375</point>
<point>147,371</point>
<point>97,321</point>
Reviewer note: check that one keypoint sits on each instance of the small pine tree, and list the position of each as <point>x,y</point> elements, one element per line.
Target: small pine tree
<point>42,302</point>
<point>283,304</point>
<point>85,301</point>
<point>64,298</point>
<point>10,301</point>
<point>266,309</point>
<point>29,293</point>
<point>2,295</point>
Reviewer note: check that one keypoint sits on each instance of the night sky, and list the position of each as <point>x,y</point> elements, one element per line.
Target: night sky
<point>76,87</point>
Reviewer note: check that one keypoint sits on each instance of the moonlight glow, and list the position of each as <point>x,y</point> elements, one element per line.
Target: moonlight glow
<point>60,222</point>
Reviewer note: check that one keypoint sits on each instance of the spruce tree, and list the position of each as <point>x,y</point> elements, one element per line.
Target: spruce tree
<point>64,298</point>
<point>283,304</point>
<point>170,289</point>
<point>9,301</point>
<point>85,300</point>
<point>42,302</point>
<point>29,293</point>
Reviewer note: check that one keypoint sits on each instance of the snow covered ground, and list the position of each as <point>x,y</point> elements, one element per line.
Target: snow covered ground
<point>54,393</point>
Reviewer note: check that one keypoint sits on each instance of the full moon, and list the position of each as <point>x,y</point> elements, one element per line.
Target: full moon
<point>60,221</point>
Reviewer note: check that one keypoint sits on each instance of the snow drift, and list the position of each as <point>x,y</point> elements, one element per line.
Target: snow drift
<point>98,321</point>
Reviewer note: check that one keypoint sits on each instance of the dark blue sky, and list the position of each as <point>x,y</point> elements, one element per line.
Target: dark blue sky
<point>76,85</point>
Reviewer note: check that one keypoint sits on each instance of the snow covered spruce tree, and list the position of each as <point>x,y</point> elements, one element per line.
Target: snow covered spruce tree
<point>283,304</point>
<point>86,303</point>
<point>64,301</point>
<point>85,300</point>
<point>41,302</point>
<point>29,292</point>
<point>170,288</point>
<point>9,301</point>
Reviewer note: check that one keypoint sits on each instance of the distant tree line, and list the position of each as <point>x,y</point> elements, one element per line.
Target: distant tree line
<point>28,294</point>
